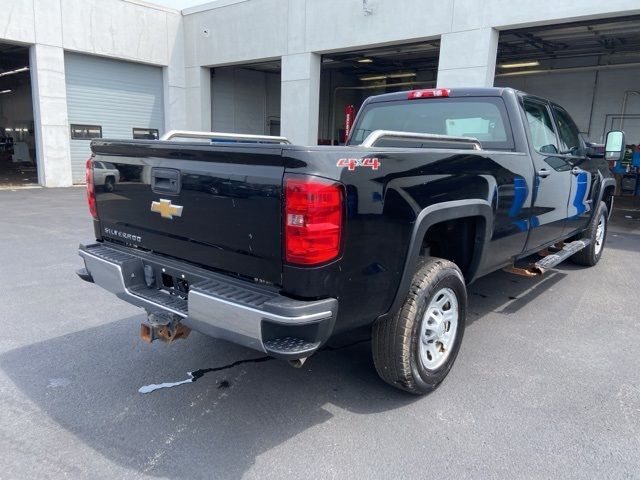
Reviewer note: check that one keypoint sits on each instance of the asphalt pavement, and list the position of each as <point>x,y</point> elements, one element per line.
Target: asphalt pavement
<point>547,383</point>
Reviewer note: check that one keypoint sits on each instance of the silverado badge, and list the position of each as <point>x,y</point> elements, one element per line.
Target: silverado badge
<point>166,209</point>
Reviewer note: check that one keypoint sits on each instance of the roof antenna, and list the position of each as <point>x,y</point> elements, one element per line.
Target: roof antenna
<point>366,8</point>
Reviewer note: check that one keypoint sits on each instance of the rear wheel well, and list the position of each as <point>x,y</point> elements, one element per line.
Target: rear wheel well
<point>458,240</point>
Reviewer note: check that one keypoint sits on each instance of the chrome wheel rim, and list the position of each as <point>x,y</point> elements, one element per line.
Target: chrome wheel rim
<point>600,230</point>
<point>438,329</point>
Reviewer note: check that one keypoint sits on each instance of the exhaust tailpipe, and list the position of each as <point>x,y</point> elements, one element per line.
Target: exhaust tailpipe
<point>298,362</point>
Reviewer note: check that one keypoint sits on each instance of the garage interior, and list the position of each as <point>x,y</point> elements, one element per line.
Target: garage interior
<point>348,78</point>
<point>591,69</point>
<point>246,98</point>
<point>17,139</point>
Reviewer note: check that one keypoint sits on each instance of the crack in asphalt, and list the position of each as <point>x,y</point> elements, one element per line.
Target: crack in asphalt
<point>197,374</point>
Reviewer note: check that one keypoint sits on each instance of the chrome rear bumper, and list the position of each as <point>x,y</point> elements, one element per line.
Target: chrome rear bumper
<point>216,305</point>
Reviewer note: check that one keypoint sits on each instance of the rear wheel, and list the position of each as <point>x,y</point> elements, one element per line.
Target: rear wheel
<point>597,233</point>
<point>415,349</point>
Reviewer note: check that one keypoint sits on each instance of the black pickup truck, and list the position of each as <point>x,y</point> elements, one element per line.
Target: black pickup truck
<point>280,247</point>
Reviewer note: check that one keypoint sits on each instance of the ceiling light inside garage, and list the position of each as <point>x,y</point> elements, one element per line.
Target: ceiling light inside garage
<point>401,75</point>
<point>6,91</point>
<point>532,63</point>
<point>364,60</point>
<point>11,72</point>
<point>373,78</point>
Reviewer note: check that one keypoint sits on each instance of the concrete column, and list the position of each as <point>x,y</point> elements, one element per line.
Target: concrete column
<point>198,98</point>
<point>51,122</point>
<point>174,77</point>
<point>300,98</point>
<point>468,58</point>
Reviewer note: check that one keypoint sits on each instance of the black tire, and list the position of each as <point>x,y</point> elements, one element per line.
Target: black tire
<point>396,341</point>
<point>109,184</point>
<point>590,255</point>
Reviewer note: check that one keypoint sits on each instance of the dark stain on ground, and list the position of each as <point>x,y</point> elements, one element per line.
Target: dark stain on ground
<point>479,294</point>
<point>513,298</point>
<point>203,371</point>
<point>225,383</point>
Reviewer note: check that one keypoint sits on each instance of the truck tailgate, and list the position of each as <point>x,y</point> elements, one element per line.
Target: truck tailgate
<point>215,206</point>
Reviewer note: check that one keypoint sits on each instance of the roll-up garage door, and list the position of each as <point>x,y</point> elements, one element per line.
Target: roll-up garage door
<point>110,99</point>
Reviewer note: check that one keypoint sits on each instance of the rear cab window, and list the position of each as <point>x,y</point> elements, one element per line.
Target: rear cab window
<point>483,118</point>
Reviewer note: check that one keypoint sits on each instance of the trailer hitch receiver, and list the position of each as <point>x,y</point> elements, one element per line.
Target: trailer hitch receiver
<point>163,326</point>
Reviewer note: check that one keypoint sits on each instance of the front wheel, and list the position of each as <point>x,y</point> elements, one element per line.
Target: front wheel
<point>596,232</point>
<point>415,349</point>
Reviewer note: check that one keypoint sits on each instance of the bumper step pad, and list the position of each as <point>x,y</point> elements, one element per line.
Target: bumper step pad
<point>290,346</point>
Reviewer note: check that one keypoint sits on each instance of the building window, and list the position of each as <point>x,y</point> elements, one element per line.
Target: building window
<point>145,134</point>
<point>274,127</point>
<point>86,132</point>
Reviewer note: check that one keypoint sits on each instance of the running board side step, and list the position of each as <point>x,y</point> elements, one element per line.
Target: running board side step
<point>550,260</point>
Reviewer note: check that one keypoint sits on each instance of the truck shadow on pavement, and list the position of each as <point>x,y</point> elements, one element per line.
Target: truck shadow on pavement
<point>218,426</point>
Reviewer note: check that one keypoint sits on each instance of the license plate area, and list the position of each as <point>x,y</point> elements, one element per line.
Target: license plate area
<point>168,279</point>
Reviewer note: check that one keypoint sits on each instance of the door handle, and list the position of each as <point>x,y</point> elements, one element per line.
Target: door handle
<point>576,171</point>
<point>544,173</point>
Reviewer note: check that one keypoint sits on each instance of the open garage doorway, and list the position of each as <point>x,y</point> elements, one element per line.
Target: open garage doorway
<point>348,78</point>
<point>591,68</point>
<point>17,138</point>
<point>246,98</point>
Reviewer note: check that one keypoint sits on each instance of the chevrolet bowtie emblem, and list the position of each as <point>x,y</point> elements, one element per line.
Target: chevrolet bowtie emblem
<point>165,209</point>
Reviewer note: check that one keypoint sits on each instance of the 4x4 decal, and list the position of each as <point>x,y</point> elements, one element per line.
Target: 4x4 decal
<point>352,163</point>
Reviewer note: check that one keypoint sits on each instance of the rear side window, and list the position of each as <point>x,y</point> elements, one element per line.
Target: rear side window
<point>543,135</point>
<point>484,118</point>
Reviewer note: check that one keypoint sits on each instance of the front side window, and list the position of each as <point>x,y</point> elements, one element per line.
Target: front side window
<point>568,131</point>
<point>543,135</point>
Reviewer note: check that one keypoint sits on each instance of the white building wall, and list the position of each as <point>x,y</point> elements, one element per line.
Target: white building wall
<point>300,97</point>
<point>51,123</point>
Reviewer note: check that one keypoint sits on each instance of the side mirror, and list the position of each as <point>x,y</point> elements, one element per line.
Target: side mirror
<point>614,148</point>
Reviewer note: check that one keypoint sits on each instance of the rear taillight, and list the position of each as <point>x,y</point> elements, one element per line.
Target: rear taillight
<point>91,192</point>
<point>312,219</point>
<point>429,93</point>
